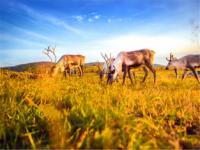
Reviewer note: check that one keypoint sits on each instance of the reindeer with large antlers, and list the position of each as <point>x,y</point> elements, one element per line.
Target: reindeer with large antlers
<point>106,67</point>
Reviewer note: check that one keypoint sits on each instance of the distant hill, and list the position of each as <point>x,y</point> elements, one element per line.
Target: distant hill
<point>158,65</point>
<point>34,67</point>
<point>46,66</point>
<point>93,63</point>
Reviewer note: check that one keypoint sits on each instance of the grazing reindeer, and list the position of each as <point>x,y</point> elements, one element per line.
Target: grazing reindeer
<point>106,66</point>
<point>127,60</point>
<point>188,62</point>
<point>67,62</point>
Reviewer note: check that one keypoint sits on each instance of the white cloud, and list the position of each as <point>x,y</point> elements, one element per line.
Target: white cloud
<point>93,16</point>
<point>109,20</point>
<point>8,37</point>
<point>97,17</point>
<point>36,35</point>
<point>51,19</point>
<point>31,33</point>
<point>162,45</point>
<point>120,19</point>
<point>79,18</point>
<point>90,19</point>
<point>63,24</point>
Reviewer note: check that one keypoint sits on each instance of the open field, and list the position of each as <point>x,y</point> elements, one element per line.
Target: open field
<point>76,112</point>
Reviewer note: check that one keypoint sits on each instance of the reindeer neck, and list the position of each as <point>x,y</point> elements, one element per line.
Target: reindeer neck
<point>118,63</point>
<point>61,61</point>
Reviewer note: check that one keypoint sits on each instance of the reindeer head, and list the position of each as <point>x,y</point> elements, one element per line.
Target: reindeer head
<point>111,74</point>
<point>171,60</point>
<point>106,65</point>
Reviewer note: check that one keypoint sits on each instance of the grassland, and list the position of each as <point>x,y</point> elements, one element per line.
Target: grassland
<point>78,112</point>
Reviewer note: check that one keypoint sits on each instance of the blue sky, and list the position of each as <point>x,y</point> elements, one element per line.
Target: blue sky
<point>89,27</point>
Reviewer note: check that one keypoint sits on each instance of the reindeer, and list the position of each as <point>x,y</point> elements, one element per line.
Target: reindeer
<point>188,62</point>
<point>67,62</point>
<point>106,66</point>
<point>125,61</point>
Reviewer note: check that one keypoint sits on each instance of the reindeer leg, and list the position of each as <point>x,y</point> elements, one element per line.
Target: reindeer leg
<point>79,68</point>
<point>134,76</point>
<point>117,78</point>
<point>124,75</point>
<point>129,75</point>
<point>176,72</point>
<point>69,71</point>
<point>146,74</point>
<point>69,66</point>
<point>65,72</point>
<point>184,74</point>
<point>149,65</point>
<point>195,74</point>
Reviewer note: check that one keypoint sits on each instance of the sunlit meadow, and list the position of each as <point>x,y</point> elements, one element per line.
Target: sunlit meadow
<point>42,112</point>
<point>74,112</point>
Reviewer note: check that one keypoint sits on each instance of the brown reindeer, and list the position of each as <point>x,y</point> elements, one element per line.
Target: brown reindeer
<point>125,61</point>
<point>67,62</point>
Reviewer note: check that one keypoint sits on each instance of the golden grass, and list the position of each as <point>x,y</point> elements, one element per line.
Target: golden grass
<point>78,112</point>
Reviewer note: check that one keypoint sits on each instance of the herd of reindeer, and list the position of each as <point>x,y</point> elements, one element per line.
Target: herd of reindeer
<point>124,62</point>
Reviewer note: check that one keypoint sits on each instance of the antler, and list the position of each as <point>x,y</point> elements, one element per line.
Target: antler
<point>106,59</point>
<point>171,57</point>
<point>167,59</point>
<point>46,52</point>
<point>109,59</point>
<point>106,56</point>
<point>53,50</point>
